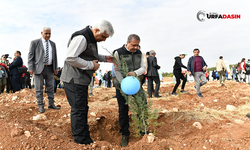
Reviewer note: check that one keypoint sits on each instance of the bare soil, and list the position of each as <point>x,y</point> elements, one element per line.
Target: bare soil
<point>221,128</point>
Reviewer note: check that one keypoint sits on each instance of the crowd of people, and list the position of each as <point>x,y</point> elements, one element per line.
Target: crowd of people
<point>238,73</point>
<point>14,76</point>
<point>80,71</point>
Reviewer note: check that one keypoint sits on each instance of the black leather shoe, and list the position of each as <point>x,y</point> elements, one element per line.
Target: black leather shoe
<point>85,142</point>
<point>41,109</point>
<point>248,115</point>
<point>52,106</point>
<point>158,96</point>
<point>124,141</point>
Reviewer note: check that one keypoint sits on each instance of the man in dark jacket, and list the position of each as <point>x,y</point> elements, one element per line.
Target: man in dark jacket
<point>196,67</point>
<point>16,77</point>
<point>178,75</point>
<point>152,74</point>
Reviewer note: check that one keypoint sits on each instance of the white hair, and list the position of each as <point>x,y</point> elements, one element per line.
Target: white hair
<point>103,26</point>
<point>46,28</point>
<point>152,52</point>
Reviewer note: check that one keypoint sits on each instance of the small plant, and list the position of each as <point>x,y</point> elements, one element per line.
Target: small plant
<point>231,87</point>
<point>179,93</point>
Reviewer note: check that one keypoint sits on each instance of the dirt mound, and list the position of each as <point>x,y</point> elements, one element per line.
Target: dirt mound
<point>22,127</point>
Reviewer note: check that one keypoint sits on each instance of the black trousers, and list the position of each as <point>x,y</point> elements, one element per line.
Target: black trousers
<point>150,85</point>
<point>23,82</point>
<point>77,96</point>
<point>100,82</point>
<point>178,76</point>
<point>123,114</point>
<point>9,87</point>
<point>16,82</point>
<point>55,87</point>
<point>27,83</point>
<point>108,83</point>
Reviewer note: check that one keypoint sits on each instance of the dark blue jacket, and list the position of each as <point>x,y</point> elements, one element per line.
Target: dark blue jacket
<point>190,66</point>
<point>18,62</point>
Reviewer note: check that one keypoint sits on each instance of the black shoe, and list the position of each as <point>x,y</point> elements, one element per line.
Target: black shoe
<point>114,96</point>
<point>174,94</point>
<point>124,141</point>
<point>183,91</point>
<point>149,96</point>
<point>248,115</point>
<point>41,109</point>
<point>200,95</point>
<point>85,142</point>
<point>91,94</point>
<point>52,106</point>
<point>158,96</point>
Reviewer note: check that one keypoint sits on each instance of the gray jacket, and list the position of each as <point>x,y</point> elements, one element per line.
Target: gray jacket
<point>78,64</point>
<point>36,56</point>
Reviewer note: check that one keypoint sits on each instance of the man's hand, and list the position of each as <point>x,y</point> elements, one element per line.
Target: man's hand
<point>204,68</point>
<point>56,72</point>
<point>145,72</point>
<point>110,59</point>
<point>189,73</point>
<point>96,65</point>
<point>131,73</point>
<point>31,72</point>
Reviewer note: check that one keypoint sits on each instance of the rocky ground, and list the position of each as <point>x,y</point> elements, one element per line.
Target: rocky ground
<point>216,121</point>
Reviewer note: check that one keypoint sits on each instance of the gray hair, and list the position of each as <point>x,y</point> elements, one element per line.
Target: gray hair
<point>103,26</point>
<point>133,36</point>
<point>152,52</point>
<point>46,28</point>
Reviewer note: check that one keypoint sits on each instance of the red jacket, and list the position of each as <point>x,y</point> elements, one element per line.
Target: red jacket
<point>243,66</point>
<point>6,68</point>
<point>23,73</point>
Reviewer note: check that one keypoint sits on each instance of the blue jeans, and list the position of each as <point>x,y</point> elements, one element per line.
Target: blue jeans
<point>234,77</point>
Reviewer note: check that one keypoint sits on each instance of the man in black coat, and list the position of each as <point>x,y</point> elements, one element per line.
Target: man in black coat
<point>16,77</point>
<point>152,74</point>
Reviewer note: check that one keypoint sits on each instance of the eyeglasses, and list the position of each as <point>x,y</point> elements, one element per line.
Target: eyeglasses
<point>104,36</point>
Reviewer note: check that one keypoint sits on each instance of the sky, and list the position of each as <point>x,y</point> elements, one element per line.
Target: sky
<point>166,26</point>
